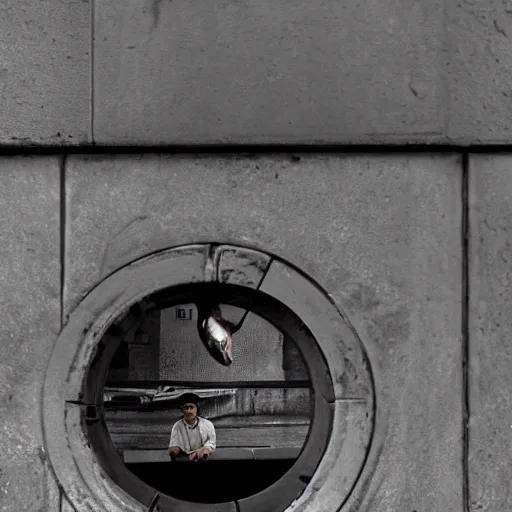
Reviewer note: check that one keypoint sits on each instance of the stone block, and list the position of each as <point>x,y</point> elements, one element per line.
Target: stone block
<point>228,71</point>
<point>231,72</point>
<point>44,72</point>
<point>30,305</point>
<point>490,327</point>
<point>478,72</point>
<point>380,233</point>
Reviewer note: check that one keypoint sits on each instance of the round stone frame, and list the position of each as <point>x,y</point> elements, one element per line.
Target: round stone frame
<point>76,438</point>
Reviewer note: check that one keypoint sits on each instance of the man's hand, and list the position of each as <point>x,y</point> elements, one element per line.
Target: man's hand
<point>173,451</point>
<point>199,454</point>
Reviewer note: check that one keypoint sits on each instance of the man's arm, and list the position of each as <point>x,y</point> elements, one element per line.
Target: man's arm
<point>211,438</point>
<point>174,442</point>
<point>209,445</point>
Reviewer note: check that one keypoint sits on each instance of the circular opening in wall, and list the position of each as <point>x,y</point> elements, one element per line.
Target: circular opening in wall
<point>264,419</point>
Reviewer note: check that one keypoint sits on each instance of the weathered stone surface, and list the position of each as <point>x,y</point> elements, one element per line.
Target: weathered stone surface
<point>252,72</point>
<point>241,267</point>
<point>350,436</point>
<point>382,234</point>
<point>98,495</point>
<point>258,72</point>
<point>478,71</point>
<point>53,500</point>
<point>44,72</point>
<point>66,506</point>
<point>348,367</point>
<point>490,349</point>
<point>255,72</point>
<point>30,305</point>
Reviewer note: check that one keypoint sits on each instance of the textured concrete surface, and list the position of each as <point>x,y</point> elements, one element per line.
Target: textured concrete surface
<point>394,71</point>
<point>479,71</point>
<point>44,72</point>
<point>490,350</point>
<point>381,234</point>
<point>257,72</point>
<point>29,301</point>
<point>66,506</point>
<point>348,366</point>
<point>351,434</point>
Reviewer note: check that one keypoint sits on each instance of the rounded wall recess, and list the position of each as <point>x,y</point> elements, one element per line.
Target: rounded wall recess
<point>84,459</point>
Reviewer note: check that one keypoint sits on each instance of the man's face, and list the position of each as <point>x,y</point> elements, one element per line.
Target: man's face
<point>190,411</point>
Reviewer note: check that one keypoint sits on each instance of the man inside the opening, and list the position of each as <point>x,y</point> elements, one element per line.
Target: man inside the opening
<point>192,436</point>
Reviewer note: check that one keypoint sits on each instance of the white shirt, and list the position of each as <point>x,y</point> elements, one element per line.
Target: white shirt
<point>192,437</point>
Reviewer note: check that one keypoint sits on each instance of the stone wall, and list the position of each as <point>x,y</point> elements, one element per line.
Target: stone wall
<point>380,233</point>
<point>152,73</point>
<point>412,244</point>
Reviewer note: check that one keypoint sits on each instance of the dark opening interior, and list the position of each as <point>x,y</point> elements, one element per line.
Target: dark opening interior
<point>212,481</point>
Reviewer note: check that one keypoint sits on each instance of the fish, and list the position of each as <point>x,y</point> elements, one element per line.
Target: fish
<point>216,334</point>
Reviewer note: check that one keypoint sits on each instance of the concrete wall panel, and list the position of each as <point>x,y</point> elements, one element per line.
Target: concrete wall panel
<point>490,350</point>
<point>30,305</point>
<point>44,72</point>
<point>381,233</point>
<point>247,72</point>
<point>257,72</point>
<point>479,71</point>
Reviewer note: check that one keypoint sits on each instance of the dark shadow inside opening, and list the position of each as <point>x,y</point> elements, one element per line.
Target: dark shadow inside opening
<point>212,481</point>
